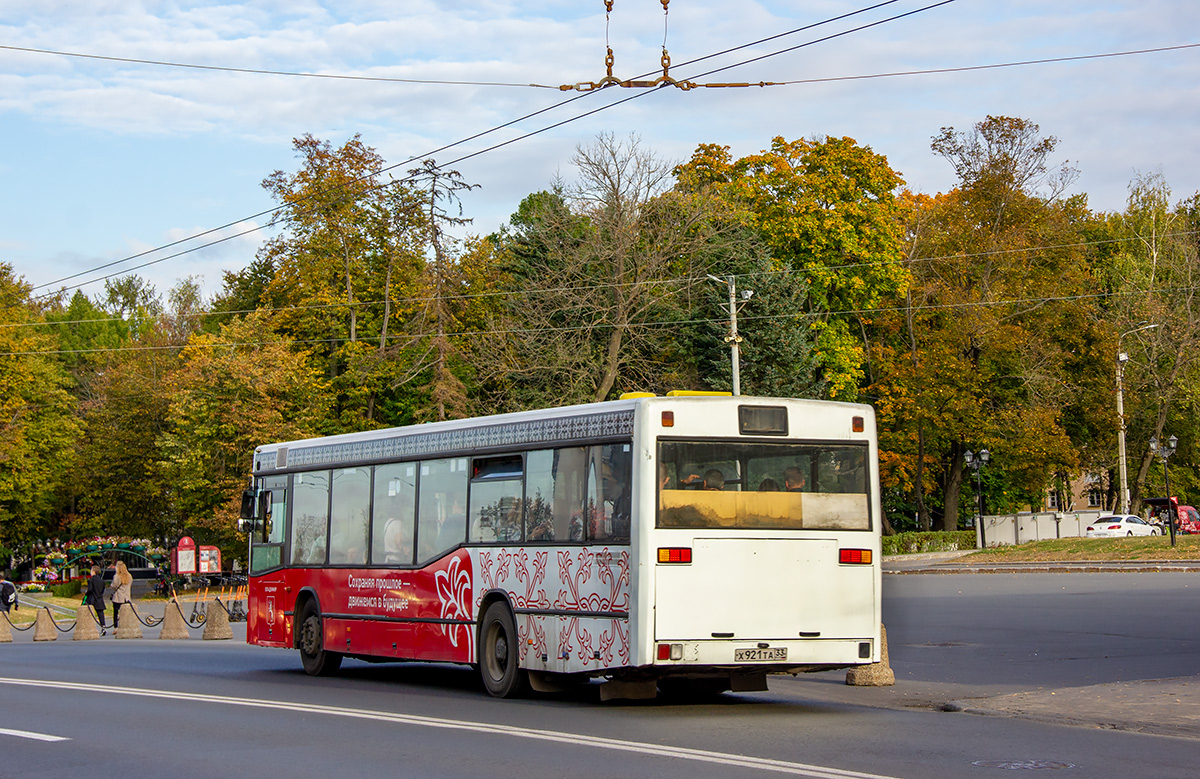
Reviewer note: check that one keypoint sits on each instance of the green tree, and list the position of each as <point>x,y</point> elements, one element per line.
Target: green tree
<point>38,423</point>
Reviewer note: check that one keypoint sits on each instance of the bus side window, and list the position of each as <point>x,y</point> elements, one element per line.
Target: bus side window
<point>610,473</point>
<point>394,514</point>
<point>351,507</point>
<point>310,517</point>
<point>441,506</point>
<point>554,485</point>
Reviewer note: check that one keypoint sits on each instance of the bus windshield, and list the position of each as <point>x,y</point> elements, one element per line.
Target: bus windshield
<point>774,486</point>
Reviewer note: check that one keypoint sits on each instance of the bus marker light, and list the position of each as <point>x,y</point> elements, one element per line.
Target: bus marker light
<point>856,424</point>
<point>853,556</point>
<point>668,419</point>
<point>674,554</point>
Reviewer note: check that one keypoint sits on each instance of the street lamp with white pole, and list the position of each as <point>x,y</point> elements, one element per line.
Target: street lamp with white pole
<point>1123,358</point>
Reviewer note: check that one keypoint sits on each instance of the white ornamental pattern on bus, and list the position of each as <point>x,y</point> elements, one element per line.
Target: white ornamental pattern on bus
<point>592,581</point>
<point>596,582</point>
<point>454,595</point>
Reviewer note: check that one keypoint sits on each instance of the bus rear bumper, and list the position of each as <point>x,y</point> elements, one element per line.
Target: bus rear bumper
<point>789,656</point>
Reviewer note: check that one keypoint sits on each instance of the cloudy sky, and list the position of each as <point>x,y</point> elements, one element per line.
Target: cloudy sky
<point>110,157</point>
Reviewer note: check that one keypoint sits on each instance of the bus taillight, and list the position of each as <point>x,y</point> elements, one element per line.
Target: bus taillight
<point>850,556</point>
<point>670,651</point>
<point>674,554</point>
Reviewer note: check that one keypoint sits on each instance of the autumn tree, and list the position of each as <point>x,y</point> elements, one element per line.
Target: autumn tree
<point>38,423</point>
<point>599,272</point>
<point>1153,278</point>
<point>232,391</point>
<point>974,354</point>
<point>349,257</point>
<point>825,210</point>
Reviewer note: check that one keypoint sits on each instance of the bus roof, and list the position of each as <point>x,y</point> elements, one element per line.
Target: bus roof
<point>608,420</point>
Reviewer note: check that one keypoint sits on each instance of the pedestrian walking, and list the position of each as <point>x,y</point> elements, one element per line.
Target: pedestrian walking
<point>8,594</point>
<point>122,581</point>
<point>94,597</point>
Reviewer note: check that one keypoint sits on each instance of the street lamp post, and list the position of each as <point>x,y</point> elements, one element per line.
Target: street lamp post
<point>1164,451</point>
<point>733,338</point>
<point>1123,358</point>
<point>976,462</point>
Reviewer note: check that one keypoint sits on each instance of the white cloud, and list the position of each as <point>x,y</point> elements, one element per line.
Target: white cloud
<point>220,133</point>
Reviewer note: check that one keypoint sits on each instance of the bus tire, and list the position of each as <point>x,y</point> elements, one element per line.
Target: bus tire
<point>499,653</point>
<point>310,640</point>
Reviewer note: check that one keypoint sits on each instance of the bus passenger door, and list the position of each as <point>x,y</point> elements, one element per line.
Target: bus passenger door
<point>266,604</point>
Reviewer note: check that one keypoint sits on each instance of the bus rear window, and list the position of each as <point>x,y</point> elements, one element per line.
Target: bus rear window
<point>729,484</point>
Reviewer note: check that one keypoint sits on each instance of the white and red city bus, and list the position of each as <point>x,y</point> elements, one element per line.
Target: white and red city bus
<point>651,542</point>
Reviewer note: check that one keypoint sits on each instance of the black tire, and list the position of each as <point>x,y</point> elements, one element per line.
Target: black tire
<point>310,640</point>
<point>499,653</point>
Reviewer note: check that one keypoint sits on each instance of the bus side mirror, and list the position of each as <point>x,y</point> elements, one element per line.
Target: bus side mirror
<point>247,511</point>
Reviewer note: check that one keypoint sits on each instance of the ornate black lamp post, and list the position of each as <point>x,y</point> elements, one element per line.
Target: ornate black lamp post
<point>1164,451</point>
<point>976,462</point>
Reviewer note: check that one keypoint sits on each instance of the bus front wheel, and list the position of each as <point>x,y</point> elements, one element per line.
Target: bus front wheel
<point>317,660</point>
<point>499,653</point>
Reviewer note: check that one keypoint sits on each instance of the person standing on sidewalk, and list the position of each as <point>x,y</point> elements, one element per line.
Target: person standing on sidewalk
<point>8,594</point>
<point>94,597</point>
<point>122,581</point>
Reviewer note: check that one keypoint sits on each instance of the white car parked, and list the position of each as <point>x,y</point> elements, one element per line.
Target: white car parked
<point>1120,525</point>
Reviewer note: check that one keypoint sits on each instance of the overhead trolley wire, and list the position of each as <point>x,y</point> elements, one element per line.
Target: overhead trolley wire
<point>415,158</point>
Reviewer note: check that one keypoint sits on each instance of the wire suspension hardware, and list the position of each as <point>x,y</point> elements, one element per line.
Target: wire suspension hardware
<point>664,80</point>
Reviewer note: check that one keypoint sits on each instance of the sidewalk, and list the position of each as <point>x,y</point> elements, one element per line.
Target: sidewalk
<point>953,562</point>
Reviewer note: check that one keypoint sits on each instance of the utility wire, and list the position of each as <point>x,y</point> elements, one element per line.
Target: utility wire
<point>262,72</point>
<point>511,294</point>
<point>1031,301</point>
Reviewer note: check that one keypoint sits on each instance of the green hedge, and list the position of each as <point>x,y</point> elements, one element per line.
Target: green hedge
<point>67,589</point>
<point>911,543</point>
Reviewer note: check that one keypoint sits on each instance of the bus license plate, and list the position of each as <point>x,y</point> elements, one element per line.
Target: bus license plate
<point>759,655</point>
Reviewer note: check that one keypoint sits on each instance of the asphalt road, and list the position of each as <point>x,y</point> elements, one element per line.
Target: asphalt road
<point>196,708</point>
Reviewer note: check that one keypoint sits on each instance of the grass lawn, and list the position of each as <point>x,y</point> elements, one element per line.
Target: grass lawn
<point>28,614</point>
<point>1061,549</point>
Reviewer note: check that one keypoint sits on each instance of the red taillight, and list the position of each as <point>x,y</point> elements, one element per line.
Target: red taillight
<point>664,651</point>
<point>1114,527</point>
<point>674,554</point>
<point>854,556</point>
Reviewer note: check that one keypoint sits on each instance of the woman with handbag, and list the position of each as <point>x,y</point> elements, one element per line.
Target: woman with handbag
<point>122,581</point>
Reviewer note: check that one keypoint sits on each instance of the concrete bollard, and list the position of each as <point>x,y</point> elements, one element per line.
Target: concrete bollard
<point>43,628</point>
<point>86,626</point>
<point>876,674</point>
<point>173,626</point>
<point>216,624</point>
<point>128,621</point>
<point>5,630</point>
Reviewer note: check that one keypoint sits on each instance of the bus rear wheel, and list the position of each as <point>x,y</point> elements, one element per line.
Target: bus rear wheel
<point>311,641</point>
<point>499,653</point>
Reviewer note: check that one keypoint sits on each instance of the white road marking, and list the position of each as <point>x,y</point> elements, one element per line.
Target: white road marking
<point>657,750</point>
<point>32,735</point>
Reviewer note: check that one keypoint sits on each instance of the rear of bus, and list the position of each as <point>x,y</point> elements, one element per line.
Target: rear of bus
<point>761,538</point>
